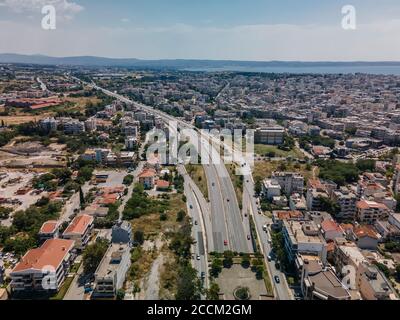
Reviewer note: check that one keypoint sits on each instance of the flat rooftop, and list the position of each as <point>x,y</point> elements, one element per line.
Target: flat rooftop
<point>109,264</point>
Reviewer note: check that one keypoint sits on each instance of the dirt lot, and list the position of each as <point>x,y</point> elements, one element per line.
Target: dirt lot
<point>32,155</point>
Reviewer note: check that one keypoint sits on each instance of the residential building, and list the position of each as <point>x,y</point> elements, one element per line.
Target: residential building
<point>371,211</point>
<point>373,285</point>
<point>122,232</point>
<point>366,237</point>
<point>290,182</point>
<point>346,200</point>
<point>319,282</point>
<point>111,272</point>
<point>271,188</point>
<point>331,230</point>
<point>147,178</point>
<point>74,126</point>
<point>52,260</point>
<point>303,237</point>
<point>80,230</point>
<point>269,135</point>
<point>49,230</point>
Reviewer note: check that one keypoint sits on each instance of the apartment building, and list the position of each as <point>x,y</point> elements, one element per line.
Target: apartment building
<point>52,260</point>
<point>111,272</point>
<point>73,126</point>
<point>49,230</point>
<point>270,189</point>
<point>373,285</point>
<point>269,135</point>
<point>303,237</point>
<point>319,282</point>
<point>79,230</point>
<point>370,211</point>
<point>290,182</point>
<point>346,200</point>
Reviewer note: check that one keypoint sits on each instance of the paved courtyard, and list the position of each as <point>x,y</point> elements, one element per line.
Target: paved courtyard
<point>237,276</point>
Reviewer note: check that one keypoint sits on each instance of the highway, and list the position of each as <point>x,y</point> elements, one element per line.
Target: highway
<point>199,230</point>
<point>226,214</point>
<point>224,206</point>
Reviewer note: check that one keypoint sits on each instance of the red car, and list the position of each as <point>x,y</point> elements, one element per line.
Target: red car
<point>225,243</point>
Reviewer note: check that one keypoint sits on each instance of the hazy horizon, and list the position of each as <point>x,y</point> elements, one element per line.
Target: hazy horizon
<point>239,30</point>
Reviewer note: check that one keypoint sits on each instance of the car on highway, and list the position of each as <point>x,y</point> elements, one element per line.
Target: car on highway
<point>265,228</point>
<point>202,275</point>
<point>225,243</point>
<point>213,184</point>
<point>277,280</point>
<point>269,258</point>
<point>198,257</point>
<point>228,200</point>
<point>195,223</point>
<point>191,207</point>
<point>248,237</point>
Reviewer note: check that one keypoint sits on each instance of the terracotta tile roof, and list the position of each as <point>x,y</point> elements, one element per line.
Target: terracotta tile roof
<point>365,231</point>
<point>364,204</point>
<point>49,227</point>
<point>330,225</point>
<point>285,215</point>
<point>162,184</point>
<point>51,253</point>
<point>148,173</point>
<point>79,224</point>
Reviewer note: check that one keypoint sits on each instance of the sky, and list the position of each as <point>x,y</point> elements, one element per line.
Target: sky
<point>255,30</point>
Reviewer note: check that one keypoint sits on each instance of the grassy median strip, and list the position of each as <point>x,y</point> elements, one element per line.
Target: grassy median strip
<point>196,172</point>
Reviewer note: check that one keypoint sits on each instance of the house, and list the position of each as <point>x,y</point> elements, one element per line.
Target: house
<point>331,230</point>
<point>79,230</point>
<point>111,272</point>
<point>366,237</point>
<point>51,261</point>
<point>147,178</point>
<point>49,230</point>
<point>162,185</point>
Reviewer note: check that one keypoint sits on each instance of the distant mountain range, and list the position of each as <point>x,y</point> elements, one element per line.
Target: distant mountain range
<point>177,63</point>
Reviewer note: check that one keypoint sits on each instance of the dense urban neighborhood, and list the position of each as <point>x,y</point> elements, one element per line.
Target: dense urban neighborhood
<point>88,210</point>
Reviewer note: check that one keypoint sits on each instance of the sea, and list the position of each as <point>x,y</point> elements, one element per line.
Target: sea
<point>376,70</point>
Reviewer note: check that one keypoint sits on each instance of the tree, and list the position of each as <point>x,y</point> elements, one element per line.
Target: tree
<point>228,259</point>
<point>128,180</point>
<point>216,267</point>
<point>180,215</point>
<point>213,292</point>
<point>93,254</point>
<point>120,294</point>
<point>245,261</point>
<point>81,198</point>
<point>189,285</point>
<point>258,187</point>
<point>138,237</point>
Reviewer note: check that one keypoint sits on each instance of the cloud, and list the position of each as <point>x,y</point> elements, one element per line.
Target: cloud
<point>65,8</point>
